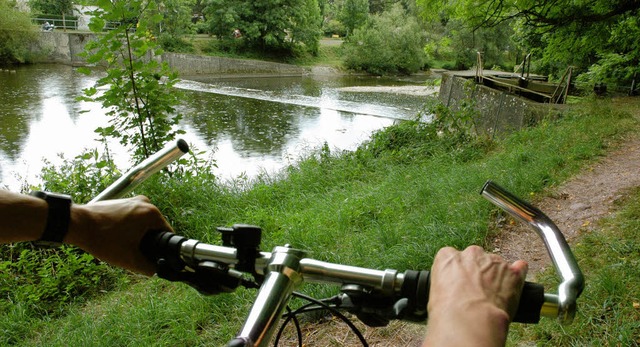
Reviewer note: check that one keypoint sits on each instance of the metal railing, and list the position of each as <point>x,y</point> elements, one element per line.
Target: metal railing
<point>58,23</point>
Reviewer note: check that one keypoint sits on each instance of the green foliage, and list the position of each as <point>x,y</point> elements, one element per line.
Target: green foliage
<point>389,43</point>
<point>558,33</point>
<point>140,97</point>
<point>280,26</point>
<point>62,7</point>
<point>171,43</point>
<point>455,43</point>
<point>334,27</point>
<point>176,17</point>
<point>16,34</point>
<point>353,14</point>
<point>619,59</point>
<point>83,177</point>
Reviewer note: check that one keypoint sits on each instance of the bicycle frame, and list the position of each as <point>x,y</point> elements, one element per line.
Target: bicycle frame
<point>215,269</point>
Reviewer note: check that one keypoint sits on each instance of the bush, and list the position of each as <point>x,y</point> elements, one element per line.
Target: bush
<point>45,280</point>
<point>171,43</point>
<point>389,43</point>
<point>16,34</point>
<point>334,27</point>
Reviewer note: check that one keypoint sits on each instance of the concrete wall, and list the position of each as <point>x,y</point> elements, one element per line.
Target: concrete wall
<point>498,110</point>
<point>189,64</point>
<point>63,47</point>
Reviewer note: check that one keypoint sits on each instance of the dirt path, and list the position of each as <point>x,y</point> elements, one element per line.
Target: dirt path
<point>576,205</point>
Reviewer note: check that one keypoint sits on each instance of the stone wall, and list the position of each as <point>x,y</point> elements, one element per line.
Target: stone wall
<point>63,48</point>
<point>498,111</point>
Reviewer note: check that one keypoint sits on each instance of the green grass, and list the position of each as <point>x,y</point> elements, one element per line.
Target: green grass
<point>328,54</point>
<point>391,204</point>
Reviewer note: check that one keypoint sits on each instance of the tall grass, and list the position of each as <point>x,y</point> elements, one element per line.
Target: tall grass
<point>390,204</point>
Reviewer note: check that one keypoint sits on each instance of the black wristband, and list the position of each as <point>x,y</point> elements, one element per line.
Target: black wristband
<point>58,218</point>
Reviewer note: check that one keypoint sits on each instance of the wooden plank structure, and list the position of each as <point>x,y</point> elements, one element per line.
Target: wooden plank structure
<point>532,87</point>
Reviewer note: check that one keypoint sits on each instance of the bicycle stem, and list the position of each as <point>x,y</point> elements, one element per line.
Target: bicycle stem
<point>285,269</point>
<point>562,305</point>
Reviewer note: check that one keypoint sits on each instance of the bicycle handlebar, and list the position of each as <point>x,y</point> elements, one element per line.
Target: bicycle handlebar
<point>285,269</point>
<point>564,304</point>
<point>374,295</point>
<point>142,171</point>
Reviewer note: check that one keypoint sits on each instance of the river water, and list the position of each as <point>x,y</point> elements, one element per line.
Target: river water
<point>247,125</point>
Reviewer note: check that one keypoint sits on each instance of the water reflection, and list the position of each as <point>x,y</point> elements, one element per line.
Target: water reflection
<point>246,125</point>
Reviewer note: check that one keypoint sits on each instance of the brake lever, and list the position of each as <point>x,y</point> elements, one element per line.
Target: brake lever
<point>208,278</point>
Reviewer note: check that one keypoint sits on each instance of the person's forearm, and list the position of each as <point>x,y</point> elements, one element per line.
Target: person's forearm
<point>22,217</point>
<point>109,230</point>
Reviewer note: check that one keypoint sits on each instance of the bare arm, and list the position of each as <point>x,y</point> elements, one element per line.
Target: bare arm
<point>473,297</point>
<point>110,230</point>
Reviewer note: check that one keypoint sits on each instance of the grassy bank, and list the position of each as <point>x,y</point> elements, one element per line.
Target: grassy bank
<point>328,54</point>
<point>391,204</point>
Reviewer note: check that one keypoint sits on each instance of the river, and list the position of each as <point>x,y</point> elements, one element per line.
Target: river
<point>247,125</point>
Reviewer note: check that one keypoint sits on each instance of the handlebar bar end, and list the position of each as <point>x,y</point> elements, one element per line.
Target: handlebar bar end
<point>183,146</point>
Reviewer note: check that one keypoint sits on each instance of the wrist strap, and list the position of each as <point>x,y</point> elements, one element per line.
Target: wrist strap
<point>58,218</point>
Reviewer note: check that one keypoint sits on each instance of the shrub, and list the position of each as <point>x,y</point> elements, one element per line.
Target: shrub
<point>389,43</point>
<point>16,34</point>
<point>172,43</point>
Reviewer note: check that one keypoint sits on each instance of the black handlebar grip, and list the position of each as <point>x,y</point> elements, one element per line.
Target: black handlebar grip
<point>531,302</point>
<point>165,246</point>
<point>416,285</point>
<point>415,288</point>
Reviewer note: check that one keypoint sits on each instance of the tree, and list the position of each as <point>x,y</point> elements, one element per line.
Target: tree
<point>543,14</point>
<point>306,25</point>
<point>353,14</point>
<point>581,33</point>
<point>140,97</point>
<point>176,16</point>
<point>16,33</point>
<point>388,43</point>
<point>267,25</point>
<point>62,7</point>
<point>175,23</point>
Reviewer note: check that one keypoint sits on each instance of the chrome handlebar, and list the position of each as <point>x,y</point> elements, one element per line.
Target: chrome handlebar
<point>562,305</point>
<point>142,171</point>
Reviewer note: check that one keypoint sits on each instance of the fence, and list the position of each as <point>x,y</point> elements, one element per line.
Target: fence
<point>58,23</point>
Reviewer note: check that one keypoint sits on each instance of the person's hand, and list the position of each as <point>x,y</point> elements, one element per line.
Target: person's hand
<point>473,297</point>
<point>111,230</point>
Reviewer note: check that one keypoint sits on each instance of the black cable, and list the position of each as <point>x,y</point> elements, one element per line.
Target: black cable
<point>322,305</point>
<point>290,315</point>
